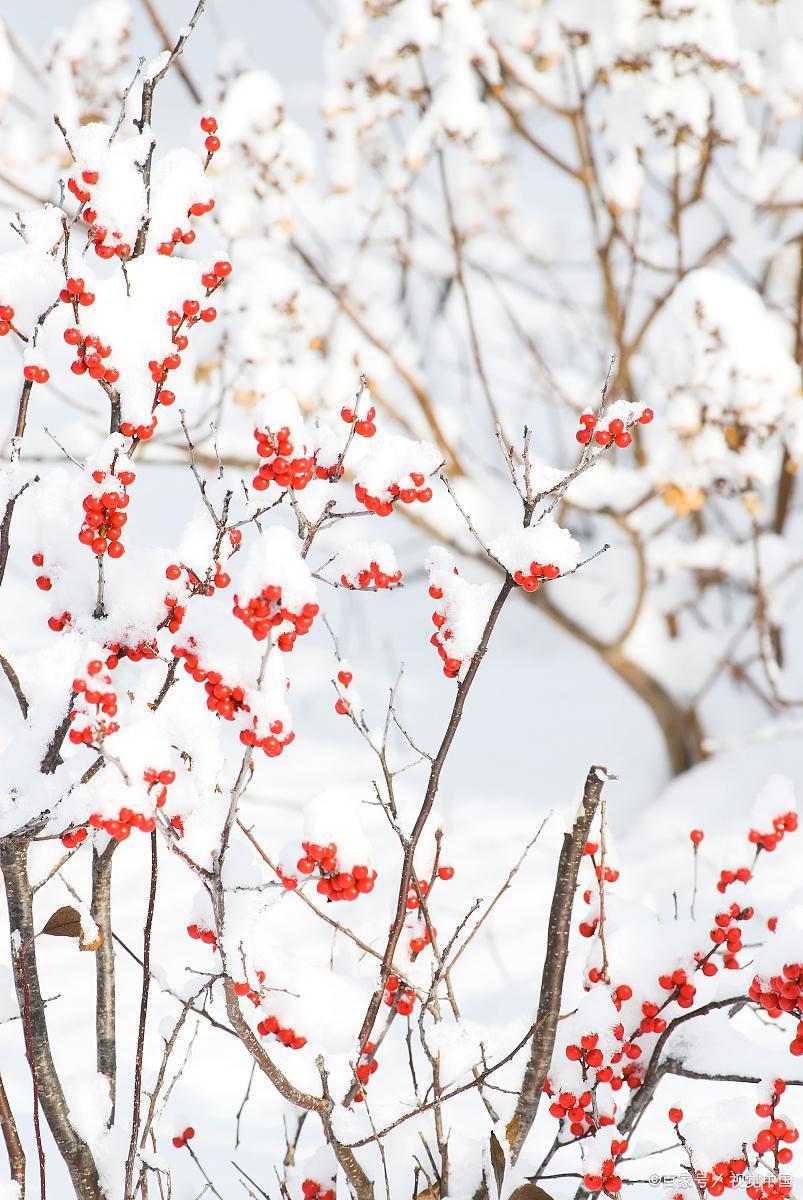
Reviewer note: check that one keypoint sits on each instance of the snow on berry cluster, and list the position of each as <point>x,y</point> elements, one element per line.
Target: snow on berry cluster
<point>396,469</point>
<point>104,508</point>
<point>368,566</point>
<point>288,458</point>
<point>618,419</point>
<point>261,714</point>
<point>536,552</point>
<point>95,700</point>
<point>460,614</point>
<point>334,850</point>
<point>278,590</point>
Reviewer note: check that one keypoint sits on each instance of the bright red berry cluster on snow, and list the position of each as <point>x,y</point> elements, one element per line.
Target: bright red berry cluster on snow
<point>782,994</point>
<point>286,1035</point>
<point>73,838</point>
<point>614,432</point>
<point>88,727</point>
<point>451,665</point>
<point>104,517</point>
<point>607,1180</point>
<point>365,1068</point>
<point>281,465</point>
<point>107,243</point>
<point>182,1138</point>
<point>407,491</point>
<point>199,933</point>
<point>371,578</point>
<point>34,374</point>
<point>538,572</point>
<point>364,426</point>
<point>787,823</point>
<point>397,994</point>
<point>264,612</point>
<point>333,881</point>
<point>316,1191</point>
<point>6,317</point>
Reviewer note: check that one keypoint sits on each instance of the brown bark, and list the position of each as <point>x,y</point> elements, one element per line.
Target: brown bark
<point>11,1137</point>
<point>105,1039</point>
<point>19,898</point>
<point>557,951</point>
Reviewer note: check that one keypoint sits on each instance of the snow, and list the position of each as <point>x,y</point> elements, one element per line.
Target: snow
<point>416,234</point>
<point>544,543</point>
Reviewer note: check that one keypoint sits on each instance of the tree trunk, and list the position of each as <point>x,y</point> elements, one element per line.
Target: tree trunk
<point>105,1039</point>
<point>74,1151</point>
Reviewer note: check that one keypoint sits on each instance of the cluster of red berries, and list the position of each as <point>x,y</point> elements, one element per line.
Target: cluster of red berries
<point>782,994</point>
<point>174,614</point>
<point>243,988</point>
<point>727,935</point>
<point>531,580</point>
<point>199,933</point>
<point>273,742</point>
<point>211,142</point>
<point>6,317</point>
<point>590,1057</point>
<point>333,881</point>
<point>103,515</point>
<point>408,493</point>
<point>726,878</point>
<point>43,582</point>
<point>90,352</point>
<point>396,994</point>
<point>281,464</point>
<point>73,838</point>
<point>420,942</point>
<point>222,699</point>
<point>371,578</point>
<point>286,1035</point>
<point>777,1130</point>
<point>104,702</point>
<point>98,234</point>
<point>445,873</point>
<point>451,665</point>
<point>316,1191</point>
<point>787,823</point>
<point>364,426</point>
<point>342,706</point>
<point>160,779</point>
<point>34,374</point>
<point>577,1110</point>
<point>615,431</point>
<point>59,622</point>
<point>607,1180</point>
<point>265,611</point>
<point>120,827</point>
<point>173,572</point>
<point>182,1138</point>
<point>365,1068</point>
<point>185,237</point>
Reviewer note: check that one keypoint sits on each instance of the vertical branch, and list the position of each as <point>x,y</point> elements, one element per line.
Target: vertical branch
<point>11,1137</point>
<point>105,1039</point>
<point>27,1029</point>
<point>143,1018</point>
<point>19,898</point>
<point>557,952</point>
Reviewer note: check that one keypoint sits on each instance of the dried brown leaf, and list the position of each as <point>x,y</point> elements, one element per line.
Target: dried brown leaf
<point>498,1161</point>
<point>65,922</point>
